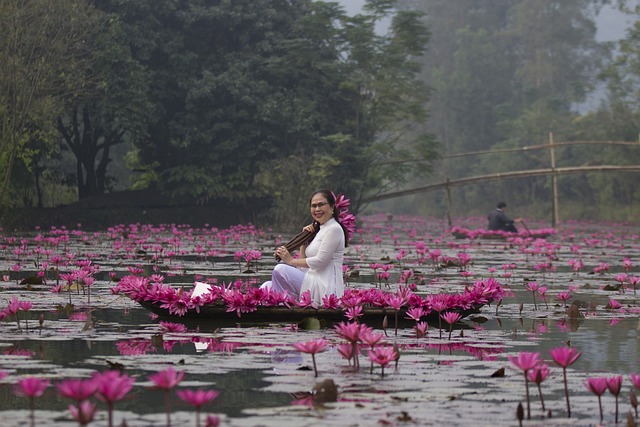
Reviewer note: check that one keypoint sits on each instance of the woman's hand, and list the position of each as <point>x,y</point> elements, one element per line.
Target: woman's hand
<point>309,228</point>
<point>284,254</point>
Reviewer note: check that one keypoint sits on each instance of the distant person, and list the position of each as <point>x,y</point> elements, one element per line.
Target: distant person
<point>498,220</point>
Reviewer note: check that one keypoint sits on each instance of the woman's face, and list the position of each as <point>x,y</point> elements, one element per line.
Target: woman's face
<point>321,210</point>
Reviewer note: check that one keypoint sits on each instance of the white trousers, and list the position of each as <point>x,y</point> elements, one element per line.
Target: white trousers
<point>285,278</point>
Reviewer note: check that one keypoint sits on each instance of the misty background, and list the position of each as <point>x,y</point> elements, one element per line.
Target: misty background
<point>431,108</point>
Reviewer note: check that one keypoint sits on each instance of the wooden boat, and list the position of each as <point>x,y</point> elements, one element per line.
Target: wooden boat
<point>373,316</point>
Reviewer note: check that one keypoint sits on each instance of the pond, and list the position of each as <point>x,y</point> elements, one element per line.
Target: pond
<point>456,376</point>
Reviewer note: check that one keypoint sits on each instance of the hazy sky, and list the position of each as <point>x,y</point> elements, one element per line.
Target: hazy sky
<point>611,23</point>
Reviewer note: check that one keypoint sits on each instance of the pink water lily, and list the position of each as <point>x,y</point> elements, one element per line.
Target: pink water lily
<point>537,375</point>
<point>635,379</point>
<point>565,357</point>
<point>31,388</point>
<point>450,317</point>
<point>613,304</point>
<point>77,389</point>
<point>526,361</point>
<point>166,380</point>
<point>197,398</point>
<point>84,412</point>
<point>382,355</point>
<point>597,386</point>
<point>112,386</point>
<point>533,287</point>
<point>614,384</point>
<point>312,347</point>
<point>564,296</point>
<point>421,329</point>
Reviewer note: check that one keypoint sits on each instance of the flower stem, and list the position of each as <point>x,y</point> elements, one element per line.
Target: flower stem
<point>32,407</point>
<point>315,368</point>
<point>166,407</point>
<point>541,398</point>
<point>566,392</point>
<point>526,387</point>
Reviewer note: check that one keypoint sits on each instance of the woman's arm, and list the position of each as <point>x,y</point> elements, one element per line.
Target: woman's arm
<point>287,258</point>
<point>330,244</point>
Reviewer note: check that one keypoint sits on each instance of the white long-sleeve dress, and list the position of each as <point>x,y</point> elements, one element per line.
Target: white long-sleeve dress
<point>325,256</point>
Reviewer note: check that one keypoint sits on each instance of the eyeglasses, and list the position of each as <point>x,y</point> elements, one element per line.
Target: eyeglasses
<point>318,205</point>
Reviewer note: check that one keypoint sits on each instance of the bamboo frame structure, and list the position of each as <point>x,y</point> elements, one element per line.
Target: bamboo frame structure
<point>552,171</point>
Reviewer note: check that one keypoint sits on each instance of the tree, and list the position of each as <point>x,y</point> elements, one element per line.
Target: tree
<point>105,113</point>
<point>42,58</point>
<point>506,73</point>
<point>240,88</point>
<point>387,132</point>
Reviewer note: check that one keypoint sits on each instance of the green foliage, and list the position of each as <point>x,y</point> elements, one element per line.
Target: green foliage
<point>506,74</point>
<point>43,55</point>
<point>246,90</point>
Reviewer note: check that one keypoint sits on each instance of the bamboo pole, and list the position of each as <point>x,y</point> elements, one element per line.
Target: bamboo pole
<point>448,204</point>
<point>555,221</point>
<point>499,176</point>
<point>519,149</point>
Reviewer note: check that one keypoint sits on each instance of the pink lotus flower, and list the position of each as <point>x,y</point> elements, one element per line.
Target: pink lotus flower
<point>350,332</point>
<point>450,317</point>
<point>635,379</point>
<point>197,398</point>
<point>613,304</point>
<point>167,379</point>
<point>212,421</point>
<point>112,386</point>
<point>537,375</point>
<point>415,313</point>
<point>31,387</point>
<point>346,351</point>
<point>564,296</point>
<point>382,356</point>
<point>312,347</point>
<point>353,313</point>
<point>172,327</point>
<point>369,337</point>
<point>306,301</point>
<point>634,281</point>
<point>533,287</point>
<point>330,302</point>
<point>614,384</point>
<point>84,412</point>
<point>421,329</point>
<point>77,389</point>
<point>565,357</point>
<point>597,386</point>
<point>526,361</point>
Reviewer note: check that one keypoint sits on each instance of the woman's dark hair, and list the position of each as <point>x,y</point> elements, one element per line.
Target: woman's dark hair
<point>331,199</point>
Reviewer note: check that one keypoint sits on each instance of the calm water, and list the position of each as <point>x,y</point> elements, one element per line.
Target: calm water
<point>256,370</point>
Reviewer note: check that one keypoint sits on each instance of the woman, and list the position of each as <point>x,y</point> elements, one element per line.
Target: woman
<point>318,269</point>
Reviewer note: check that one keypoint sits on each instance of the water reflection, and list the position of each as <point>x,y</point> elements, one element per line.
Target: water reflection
<point>605,347</point>
<point>237,388</point>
